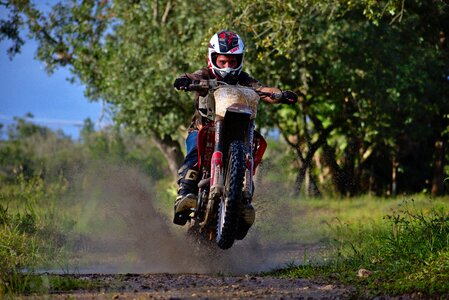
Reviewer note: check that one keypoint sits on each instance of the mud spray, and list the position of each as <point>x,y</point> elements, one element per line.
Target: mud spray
<point>124,231</point>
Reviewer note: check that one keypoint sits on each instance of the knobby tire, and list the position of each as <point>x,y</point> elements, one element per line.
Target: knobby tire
<point>229,206</point>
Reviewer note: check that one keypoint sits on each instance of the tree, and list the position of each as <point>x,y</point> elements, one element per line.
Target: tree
<point>372,82</point>
<point>373,75</point>
<point>127,53</point>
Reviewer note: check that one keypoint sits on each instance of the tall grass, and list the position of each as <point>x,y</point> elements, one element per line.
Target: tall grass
<point>406,251</point>
<point>18,250</point>
<point>30,230</point>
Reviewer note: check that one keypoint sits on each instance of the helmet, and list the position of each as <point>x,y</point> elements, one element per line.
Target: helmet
<point>229,43</point>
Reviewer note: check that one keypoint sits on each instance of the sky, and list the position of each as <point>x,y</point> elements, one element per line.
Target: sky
<point>25,87</point>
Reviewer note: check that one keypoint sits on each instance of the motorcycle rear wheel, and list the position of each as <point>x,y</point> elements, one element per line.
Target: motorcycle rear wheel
<point>229,206</point>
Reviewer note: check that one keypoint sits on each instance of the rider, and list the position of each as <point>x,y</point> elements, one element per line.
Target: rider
<point>225,62</point>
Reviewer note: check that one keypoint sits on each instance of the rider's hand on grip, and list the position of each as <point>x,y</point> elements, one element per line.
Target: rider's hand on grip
<point>182,83</point>
<point>288,97</point>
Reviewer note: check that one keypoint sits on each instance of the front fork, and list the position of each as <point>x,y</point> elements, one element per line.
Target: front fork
<point>249,172</point>
<point>216,174</point>
<point>217,167</point>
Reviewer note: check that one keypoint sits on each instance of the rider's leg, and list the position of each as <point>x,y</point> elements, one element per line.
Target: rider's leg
<point>248,214</point>
<point>188,181</point>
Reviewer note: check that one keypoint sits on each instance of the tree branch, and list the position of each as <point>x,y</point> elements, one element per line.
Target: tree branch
<point>166,12</point>
<point>156,11</point>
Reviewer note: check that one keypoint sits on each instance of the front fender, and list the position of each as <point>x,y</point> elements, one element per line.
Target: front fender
<point>239,109</point>
<point>237,120</point>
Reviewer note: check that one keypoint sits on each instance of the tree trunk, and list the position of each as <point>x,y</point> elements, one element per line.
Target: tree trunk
<point>312,187</point>
<point>306,177</point>
<point>338,176</point>
<point>438,169</point>
<point>394,169</point>
<point>306,167</point>
<point>300,177</point>
<point>171,150</point>
<point>349,166</point>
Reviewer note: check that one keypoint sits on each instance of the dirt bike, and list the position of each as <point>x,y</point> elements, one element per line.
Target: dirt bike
<point>229,151</point>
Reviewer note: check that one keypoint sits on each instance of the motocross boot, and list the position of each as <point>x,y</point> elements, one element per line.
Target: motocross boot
<point>187,195</point>
<point>247,218</point>
<point>248,214</point>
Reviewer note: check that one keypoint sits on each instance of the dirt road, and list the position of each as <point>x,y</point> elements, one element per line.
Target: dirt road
<point>217,275</point>
<point>128,235</point>
<point>185,286</point>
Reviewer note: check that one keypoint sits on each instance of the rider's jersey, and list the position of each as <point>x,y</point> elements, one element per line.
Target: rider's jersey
<point>205,103</point>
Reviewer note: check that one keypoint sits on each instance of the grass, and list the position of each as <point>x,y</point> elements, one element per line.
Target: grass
<point>60,283</point>
<point>402,243</point>
<point>310,221</point>
<point>404,252</point>
<point>32,231</point>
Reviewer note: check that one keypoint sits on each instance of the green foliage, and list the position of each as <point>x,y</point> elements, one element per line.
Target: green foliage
<point>32,150</point>
<point>373,75</point>
<point>415,235</point>
<point>127,53</point>
<point>405,253</point>
<point>369,80</point>
<point>39,195</point>
<point>30,229</point>
<point>10,29</point>
<point>17,251</point>
<point>41,284</point>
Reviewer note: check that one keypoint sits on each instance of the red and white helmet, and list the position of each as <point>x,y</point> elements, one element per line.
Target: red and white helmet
<point>229,43</point>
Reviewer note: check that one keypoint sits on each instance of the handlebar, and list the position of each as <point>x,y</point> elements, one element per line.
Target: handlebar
<point>275,96</point>
<point>206,85</point>
<point>195,87</point>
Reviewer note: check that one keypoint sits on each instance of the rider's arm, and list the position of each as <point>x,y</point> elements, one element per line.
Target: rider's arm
<point>275,95</point>
<point>197,75</point>
<point>246,80</point>
<point>270,90</point>
<point>184,80</point>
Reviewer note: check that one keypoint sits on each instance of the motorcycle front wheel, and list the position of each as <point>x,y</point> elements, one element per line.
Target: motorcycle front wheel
<point>229,206</point>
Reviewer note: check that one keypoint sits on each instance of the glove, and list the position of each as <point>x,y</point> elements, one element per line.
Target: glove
<point>182,83</point>
<point>288,97</point>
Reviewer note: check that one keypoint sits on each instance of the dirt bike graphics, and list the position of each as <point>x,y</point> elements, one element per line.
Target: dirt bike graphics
<point>229,151</point>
